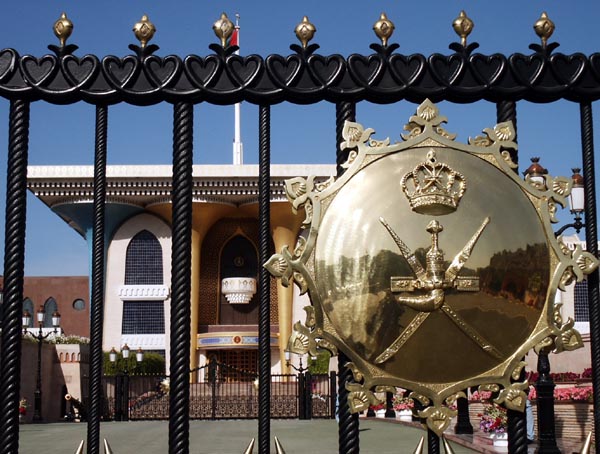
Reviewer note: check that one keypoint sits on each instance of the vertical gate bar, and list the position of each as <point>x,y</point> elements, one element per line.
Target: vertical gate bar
<point>264,316</point>
<point>348,427</point>
<point>343,111</point>
<point>433,442</point>
<point>332,395</point>
<point>14,263</point>
<point>517,424</point>
<point>507,111</point>
<point>517,428</point>
<point>98,261</point>
<point>308,380</point>
<point>545,406</point>
<point>300,392</point>
<point>181,261</point>
<point>591,235</point>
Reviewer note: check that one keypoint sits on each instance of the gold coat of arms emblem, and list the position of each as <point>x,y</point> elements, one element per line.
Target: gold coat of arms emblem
<point>432,265</point>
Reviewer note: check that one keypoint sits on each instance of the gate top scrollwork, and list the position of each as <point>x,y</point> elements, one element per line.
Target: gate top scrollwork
<point>302,77</point>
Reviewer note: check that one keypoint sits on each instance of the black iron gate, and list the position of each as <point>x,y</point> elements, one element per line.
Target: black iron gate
<point>304,77</point>
<point>221,392</point>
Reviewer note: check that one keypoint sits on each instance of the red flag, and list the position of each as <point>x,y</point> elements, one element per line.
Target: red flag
<point>233,41</point>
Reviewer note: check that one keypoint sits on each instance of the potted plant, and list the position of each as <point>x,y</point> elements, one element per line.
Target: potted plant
<point>23,410</point>
<point>403,406</point>
<point>495,422</point>
<point>379,410</point>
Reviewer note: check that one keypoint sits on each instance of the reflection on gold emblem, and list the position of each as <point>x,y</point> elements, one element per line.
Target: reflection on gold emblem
<point>407,316</point>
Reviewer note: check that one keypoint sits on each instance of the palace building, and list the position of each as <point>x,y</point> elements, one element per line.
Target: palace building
<point>225,262</point>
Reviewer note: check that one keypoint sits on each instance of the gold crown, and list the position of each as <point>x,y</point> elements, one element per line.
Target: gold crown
<point>433,188</point>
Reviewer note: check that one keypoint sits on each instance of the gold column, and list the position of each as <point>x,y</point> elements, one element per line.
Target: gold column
<point>195,301</point>
<point>285,226</point>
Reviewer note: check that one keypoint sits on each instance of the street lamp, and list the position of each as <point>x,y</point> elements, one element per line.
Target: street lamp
<point>304,387</point>
<point>122,381</point>
<point>40,336</point>
<point>576,202</point>
<point>299,368</point>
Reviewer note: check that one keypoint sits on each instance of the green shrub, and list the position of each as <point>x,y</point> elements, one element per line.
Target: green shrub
<point>320,365</point>
<point>70,339</point>
<point>153,363</point>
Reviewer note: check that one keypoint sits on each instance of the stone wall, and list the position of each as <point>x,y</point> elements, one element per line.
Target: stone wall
<point>62,368</point>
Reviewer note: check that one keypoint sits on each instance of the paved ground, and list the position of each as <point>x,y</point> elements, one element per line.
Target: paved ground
<point>224,437</point>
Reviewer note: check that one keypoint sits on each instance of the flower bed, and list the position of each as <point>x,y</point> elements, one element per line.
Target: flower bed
<point>573,411</point>
<point>573,420</point>
<point>493,419</point>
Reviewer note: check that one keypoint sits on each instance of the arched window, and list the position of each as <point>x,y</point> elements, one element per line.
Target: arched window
<point>50,307</point>
<point>239,259</point>
<point>143,263</point>
<point>28,306</point>
<point>582,310</point>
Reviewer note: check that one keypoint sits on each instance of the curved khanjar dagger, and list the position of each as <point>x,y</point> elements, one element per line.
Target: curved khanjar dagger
<point>434,299</point>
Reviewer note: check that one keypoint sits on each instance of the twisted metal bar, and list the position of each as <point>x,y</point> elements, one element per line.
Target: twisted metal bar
<point>348,429</point>
<point>591,235</point>
<point>14,263</point>
<point>517,432</point>
<point>517,422</point>
<point>507,111</point>
<point>433,442</point>
<point>545,405</point>
<point>264,314</point>
<point>98,252</point>
<point>181,261</point>
<point>343,111</point>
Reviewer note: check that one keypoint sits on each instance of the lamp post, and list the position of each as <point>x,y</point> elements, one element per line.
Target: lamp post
<point>122,381</point>
<point>544,386</point>
<point>304,388</point>
<point>40,336</point>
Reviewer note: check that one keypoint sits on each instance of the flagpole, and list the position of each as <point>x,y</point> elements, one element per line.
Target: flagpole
<point>238,148</point>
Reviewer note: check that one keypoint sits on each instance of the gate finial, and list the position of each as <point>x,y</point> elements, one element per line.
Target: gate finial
<point>144,30</point>
<point>278,447</point>
<point>63,28</point>
<point>223,28</point>
<point>585,449</point>
<point>544,28</point>
<point>419,448</point>
<point>250,447</point>
<point>80,448</point>
<point>384,28</point>
<point>463,26</point>
<point>447,447</point>
<point>305,31</point>
<point>107,449</point>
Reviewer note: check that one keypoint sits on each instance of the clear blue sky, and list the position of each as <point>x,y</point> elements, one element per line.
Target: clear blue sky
<point>300,134</point>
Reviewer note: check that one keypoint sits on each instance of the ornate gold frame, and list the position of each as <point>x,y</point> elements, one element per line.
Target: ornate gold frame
<point>426,136</point>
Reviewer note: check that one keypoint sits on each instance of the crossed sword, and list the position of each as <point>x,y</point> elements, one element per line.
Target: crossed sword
<point>431,280</point>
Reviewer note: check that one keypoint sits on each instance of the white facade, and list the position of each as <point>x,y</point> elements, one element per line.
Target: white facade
<point>117,292</point>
